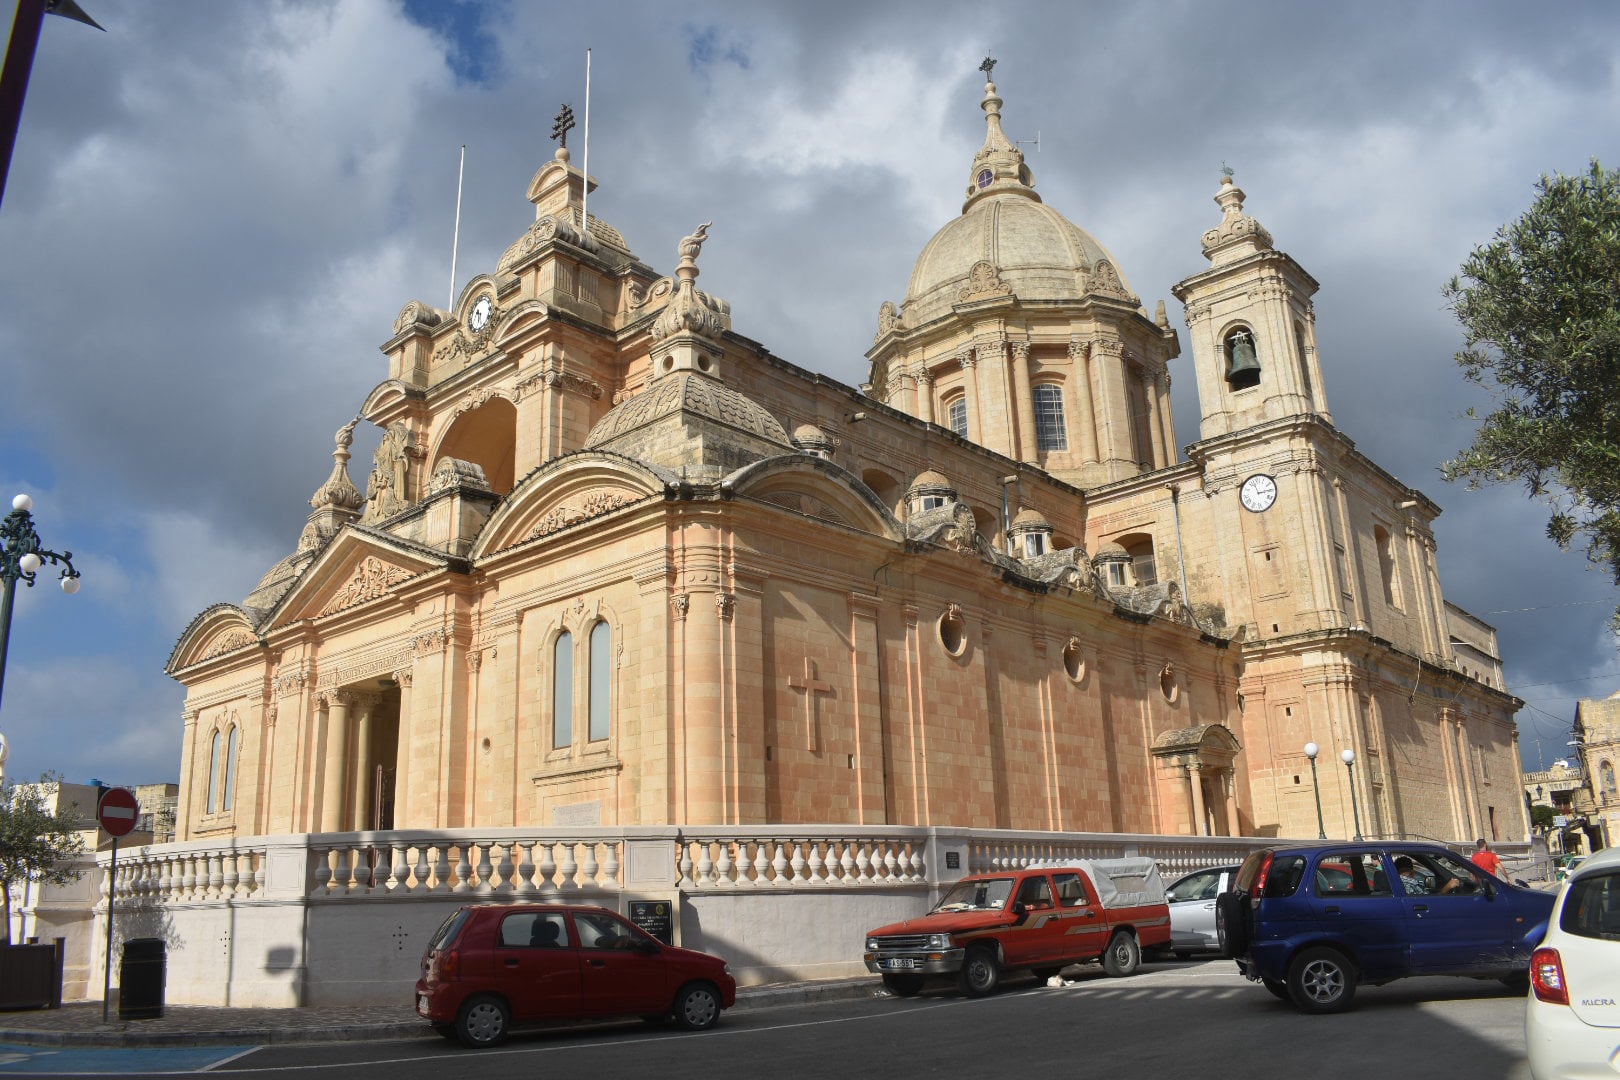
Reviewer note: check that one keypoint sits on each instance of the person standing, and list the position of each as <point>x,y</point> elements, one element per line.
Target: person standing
<point>1486,859</point>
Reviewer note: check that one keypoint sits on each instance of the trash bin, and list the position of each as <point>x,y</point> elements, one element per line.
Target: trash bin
<point>140,979</point>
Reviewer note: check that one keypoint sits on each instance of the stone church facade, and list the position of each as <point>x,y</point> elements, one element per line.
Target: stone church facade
<point>616,564</point>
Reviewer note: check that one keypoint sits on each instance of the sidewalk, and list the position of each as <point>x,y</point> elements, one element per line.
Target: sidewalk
<point>79,1023</point>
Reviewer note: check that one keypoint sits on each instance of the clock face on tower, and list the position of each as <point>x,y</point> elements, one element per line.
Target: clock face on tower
<point>1258,493</point>
<point>479,317</point>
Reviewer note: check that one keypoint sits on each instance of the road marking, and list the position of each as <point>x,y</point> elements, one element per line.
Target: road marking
<point>112,1061</point>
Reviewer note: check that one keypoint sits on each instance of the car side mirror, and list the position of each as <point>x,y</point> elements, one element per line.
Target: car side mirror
<point>1019,910</point>
<point>1489,888</point>
<point>646,947</point>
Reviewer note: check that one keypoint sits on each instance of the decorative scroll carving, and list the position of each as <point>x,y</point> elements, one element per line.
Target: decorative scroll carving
<point>983,283</point>
<point>681,603</point>
<point>291,682</point>
<point>595,504</point>
<point>403,677</point>
<point>330,698</point>
<point>431,642</point>
<point>236,639</point>
<point>1105,281</point>
<point>889,317</point>
<point>416,314</point>
<point>372,578</point>
<point>475,661</point>
<point>724,604</point>
<point>1079,350</point>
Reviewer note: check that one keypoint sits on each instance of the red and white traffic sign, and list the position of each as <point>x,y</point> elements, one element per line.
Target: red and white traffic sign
<point>117,811</point>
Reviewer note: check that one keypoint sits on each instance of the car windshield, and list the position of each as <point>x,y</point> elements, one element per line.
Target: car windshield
<point>445,935</point>
<point>1592,908</point>
<point>985,894</point>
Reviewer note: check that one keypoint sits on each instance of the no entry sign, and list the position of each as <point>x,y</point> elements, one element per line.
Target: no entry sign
<point>117,811</point>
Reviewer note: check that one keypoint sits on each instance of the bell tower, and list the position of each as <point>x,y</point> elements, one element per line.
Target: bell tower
<point>1253,327</point>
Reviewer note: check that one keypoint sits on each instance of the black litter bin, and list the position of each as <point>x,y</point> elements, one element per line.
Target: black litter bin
<point>140,979</point>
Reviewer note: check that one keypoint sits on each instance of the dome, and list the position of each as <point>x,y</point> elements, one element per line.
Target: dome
<point>1007,241</point>
<point>691,395</point>
<point>1030,519</point>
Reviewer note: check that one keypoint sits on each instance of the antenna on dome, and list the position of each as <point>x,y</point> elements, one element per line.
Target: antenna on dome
<point>1035,142</point>
<point>455,242</point>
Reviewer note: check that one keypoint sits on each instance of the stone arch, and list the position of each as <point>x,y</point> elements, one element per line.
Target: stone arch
<point>486,435</point>
<point>1197,780</point>
<point>824,489</point>
<point>568,490</point>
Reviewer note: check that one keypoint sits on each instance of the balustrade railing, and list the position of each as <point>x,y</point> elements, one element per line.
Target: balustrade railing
<point>501,866</point>
<point>709,859</point>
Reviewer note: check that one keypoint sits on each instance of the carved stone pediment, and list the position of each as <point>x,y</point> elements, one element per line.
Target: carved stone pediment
<point>371,578</point>
<point>581,507</point>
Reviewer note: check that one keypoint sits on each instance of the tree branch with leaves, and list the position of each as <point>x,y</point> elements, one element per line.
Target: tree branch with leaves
<point>37,843</point>
<point>1540,310</point>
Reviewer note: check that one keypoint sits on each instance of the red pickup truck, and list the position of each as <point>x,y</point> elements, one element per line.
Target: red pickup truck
<point>1039,918</point>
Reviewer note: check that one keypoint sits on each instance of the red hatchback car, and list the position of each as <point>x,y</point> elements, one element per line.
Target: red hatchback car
<point>490,966</point>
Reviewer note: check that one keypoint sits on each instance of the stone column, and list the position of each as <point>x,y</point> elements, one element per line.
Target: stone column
<point>974,392</point>
<point>1115,432</point>
<point>337,704</point>
<point>1085,411</point>
<point>1195,780</point>
<point>1150,391</point>
<point>1027,442</point>
<point>1228,777</point>
<point>366,706</point>
<point>925,394</point>
<point>1166,418</point>
<point>402,751</point>
<point>188,781</point>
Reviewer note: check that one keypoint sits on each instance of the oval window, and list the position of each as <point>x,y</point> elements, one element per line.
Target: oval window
<point>953,632</point>
<point>1074,660</point>
<point>1167,683</point>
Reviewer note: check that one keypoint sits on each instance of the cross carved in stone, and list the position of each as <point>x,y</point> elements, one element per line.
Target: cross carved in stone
<point>811,685</point>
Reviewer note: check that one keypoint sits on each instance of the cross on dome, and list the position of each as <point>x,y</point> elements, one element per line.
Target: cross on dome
<point>998,167</point>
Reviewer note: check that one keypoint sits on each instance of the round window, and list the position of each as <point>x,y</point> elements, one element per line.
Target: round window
<point>953,632</point>
<point>1074,660</point>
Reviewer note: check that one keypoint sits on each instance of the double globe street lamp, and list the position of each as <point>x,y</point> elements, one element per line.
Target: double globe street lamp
<point>21,558</point>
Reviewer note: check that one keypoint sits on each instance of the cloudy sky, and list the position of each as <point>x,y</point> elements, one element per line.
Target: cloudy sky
<point>216,210</point>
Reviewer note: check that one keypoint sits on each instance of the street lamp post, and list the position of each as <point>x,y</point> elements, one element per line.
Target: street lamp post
<point>20,559</point>
<point>1349,759</point>
<point>1311,750</point>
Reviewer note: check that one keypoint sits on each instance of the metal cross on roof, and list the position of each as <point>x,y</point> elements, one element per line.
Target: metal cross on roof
<point>988,67</point>
<point>563,124</point>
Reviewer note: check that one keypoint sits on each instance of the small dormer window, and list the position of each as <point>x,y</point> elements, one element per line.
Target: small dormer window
<point>1116,575</point>
<point>1034,544</point>
<point>1242,364</point>
<point>930,502</point>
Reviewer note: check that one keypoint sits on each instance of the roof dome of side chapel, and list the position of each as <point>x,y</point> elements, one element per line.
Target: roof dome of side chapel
<point>1007,240</point>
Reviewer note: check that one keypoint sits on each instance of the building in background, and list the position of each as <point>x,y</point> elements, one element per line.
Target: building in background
<point>618,564</point>
<point>1562,790</point>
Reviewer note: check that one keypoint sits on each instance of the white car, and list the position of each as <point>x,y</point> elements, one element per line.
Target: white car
<point>1192,909</point>
<point>1572,1022</point>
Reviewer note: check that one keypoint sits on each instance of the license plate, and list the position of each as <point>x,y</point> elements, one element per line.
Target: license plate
<point>900,964</point>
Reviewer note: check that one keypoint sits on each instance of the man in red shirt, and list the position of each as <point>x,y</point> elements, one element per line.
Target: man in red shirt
<point>1486,859</point>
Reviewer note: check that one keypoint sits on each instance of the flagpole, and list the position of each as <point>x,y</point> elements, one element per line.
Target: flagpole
<point>585,200</point>
<point>455,243</point>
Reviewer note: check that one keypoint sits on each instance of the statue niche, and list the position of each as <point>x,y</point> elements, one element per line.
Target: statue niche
<point>386,488</point>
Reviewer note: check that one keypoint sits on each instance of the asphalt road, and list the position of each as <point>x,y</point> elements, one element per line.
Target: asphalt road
<point>1173,1019</point>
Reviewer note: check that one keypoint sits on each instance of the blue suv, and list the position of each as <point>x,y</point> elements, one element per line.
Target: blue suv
<point>1311,923</point>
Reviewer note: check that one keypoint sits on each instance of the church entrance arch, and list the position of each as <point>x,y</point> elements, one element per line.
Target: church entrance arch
<point>1196,768</point>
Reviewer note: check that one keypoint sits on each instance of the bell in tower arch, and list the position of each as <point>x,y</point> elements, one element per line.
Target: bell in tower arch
<point>1242,368</point>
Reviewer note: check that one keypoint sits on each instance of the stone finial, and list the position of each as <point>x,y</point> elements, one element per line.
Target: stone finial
<point>1238,234</point>
<point>339,492</point>
<point>690,311</point>
<point>688,249</point>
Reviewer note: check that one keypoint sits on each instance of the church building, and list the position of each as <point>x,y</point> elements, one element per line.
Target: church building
<point>616,564</point>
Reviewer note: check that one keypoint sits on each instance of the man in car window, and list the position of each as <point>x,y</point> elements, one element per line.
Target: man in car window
<point>1413,882</point>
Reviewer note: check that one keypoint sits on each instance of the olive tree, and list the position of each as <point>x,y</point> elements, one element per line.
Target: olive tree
<point>37,843</point>
<point>1540,310</point>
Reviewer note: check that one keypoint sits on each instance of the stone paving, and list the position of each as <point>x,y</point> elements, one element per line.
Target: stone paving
<point>80,1023</point>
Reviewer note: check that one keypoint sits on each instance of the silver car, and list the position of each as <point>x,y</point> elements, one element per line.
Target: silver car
<point>1192,909</point>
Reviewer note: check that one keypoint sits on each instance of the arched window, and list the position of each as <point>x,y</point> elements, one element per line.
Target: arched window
<point>562,691</point>
<point>1050,431</point>
<point>229,798</point>
<point>213,773</point>
<point>1606,774</point>
<point>601,689</point>
<point>1144,567</point>
<point>1242,364</point>
<point>956,416</point>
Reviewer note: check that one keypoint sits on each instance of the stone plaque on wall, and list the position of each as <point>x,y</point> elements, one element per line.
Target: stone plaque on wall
<point>577,814</point>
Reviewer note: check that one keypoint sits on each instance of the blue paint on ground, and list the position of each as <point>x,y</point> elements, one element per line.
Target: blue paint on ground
<point>116,1060</point>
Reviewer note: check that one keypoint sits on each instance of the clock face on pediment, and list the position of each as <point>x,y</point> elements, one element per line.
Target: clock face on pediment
<point>1258,493</point>
<point>478,317</point>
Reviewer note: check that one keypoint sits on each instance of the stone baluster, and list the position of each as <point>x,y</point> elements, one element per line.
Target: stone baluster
<point>685,865</point>
<point>548,867</point>
<point>815,864</point>
<point>568,868</point>
<point>506,870</point>
<point>610,865</point>
<point>442,882</point>
<point>484,866</point>
<point>592,868</point>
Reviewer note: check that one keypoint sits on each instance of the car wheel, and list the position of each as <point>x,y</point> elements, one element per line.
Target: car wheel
<point>1321,980</point>
<point>1123,956</point>
<point>446,1031</point>
<point>1278,988</point>
<point>903,985</point>
<point>697,1007</point>
<point>483,1022</point>
<point>980,972</point>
